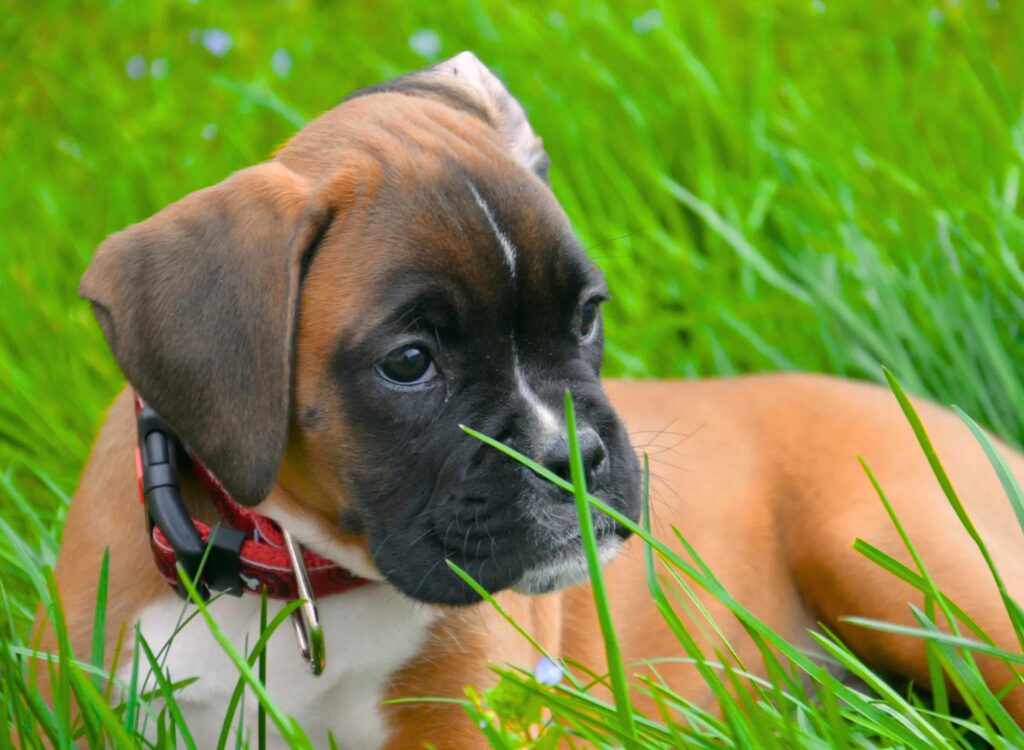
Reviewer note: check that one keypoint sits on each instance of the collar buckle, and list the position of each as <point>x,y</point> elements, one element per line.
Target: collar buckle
<point>159,452</point>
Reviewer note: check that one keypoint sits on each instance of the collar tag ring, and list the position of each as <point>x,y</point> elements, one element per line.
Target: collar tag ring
<point>305,619</point>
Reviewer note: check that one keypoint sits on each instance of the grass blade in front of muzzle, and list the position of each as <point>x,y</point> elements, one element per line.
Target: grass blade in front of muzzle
<point>613,655</point>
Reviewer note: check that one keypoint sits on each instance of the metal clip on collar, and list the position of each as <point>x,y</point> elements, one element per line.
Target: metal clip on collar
<point>305,619</point>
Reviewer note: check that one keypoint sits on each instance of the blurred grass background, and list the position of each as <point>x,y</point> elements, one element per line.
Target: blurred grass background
<point>790,185</point>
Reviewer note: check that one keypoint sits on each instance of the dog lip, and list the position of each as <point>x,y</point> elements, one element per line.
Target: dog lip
<point>600,535</point>
<point>564,568</point>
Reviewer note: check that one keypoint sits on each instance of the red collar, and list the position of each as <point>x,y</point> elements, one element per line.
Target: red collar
<point>249,546</point>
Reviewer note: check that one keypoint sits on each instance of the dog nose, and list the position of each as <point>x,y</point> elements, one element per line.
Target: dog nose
<point>592,451</point>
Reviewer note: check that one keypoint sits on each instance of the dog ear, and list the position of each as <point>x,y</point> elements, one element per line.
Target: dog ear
<point>466,83</point>
<point>199,305</point>
<point>502,109</point>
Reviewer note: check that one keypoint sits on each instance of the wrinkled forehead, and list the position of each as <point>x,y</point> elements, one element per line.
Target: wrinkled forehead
<point>492,239</point>
<point>435,202</point>
<point>405,134</point>
<point>481,222</point>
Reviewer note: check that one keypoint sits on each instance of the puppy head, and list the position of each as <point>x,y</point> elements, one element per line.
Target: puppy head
<point>317,328</point>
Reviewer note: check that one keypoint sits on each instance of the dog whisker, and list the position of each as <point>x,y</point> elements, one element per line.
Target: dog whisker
<point>426,576</point>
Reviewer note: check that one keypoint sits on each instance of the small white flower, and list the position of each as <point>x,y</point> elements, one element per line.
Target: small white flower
<point>217,42</point>
<point>648,22</point>
<point>426,43</point>
<point>548,672</point>
<point>158,68</point>
<point>136,67</point>
<point>281,62</point>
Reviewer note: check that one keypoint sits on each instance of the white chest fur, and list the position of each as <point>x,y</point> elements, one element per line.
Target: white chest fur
<point>370,633</point>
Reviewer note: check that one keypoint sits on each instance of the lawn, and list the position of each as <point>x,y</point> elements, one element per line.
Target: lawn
<point>794,185</point>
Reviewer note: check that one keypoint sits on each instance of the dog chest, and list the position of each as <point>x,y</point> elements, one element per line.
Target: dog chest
<point>370,633</point>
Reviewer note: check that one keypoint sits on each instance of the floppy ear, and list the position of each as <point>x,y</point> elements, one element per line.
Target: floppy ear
<point>199,304</point>
<point>466,83</point>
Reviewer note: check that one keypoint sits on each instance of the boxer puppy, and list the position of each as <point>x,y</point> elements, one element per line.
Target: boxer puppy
<point>317,328</point>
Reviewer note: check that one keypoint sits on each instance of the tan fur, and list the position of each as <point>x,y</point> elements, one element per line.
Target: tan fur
<point>759,473</point>
<point>761,476</point>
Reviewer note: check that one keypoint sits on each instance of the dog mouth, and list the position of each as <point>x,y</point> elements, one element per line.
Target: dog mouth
<point>509,531</point>
<point>564,562</point>
<point>569,567</point>
<point>540,553</point>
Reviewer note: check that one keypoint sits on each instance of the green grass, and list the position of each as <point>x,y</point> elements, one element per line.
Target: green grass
<point>792,185</point>
<point>799,703</point>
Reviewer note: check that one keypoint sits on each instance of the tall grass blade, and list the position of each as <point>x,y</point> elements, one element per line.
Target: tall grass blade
<point>99,625</point>
<point>261,652</point>
<point>167,693</point>
<point>291,732</point>
<point>611,644</point>
<point>257,656</point>
<point>954,500</point>
<point>1006,477</point>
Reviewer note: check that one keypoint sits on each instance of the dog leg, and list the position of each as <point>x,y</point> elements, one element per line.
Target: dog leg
<point>836,504</point>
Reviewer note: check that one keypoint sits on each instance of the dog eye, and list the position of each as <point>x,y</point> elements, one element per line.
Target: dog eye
<point>408,365</point>
<point>588,320</point>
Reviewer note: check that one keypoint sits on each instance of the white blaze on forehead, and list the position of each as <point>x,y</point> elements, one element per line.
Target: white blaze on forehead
<point>507,248</point>
<point>546,419</point>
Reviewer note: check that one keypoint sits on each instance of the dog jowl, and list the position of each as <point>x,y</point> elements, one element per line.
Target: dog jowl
<point>321,326</point>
